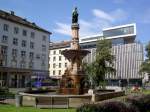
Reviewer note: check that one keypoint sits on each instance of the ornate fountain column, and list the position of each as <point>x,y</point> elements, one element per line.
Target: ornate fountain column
<point>75,42</point>
<point>75,36</point>
<point>71,82</point>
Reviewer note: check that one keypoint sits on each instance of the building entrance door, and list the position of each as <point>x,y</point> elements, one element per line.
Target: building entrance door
<point>13,81</point>
<point>23,81</point>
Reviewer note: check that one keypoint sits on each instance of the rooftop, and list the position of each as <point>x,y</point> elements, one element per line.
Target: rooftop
<point>60,44</point>
<point>12,17</point>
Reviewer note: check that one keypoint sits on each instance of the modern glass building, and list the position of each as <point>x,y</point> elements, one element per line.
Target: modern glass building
<point>128,53</point>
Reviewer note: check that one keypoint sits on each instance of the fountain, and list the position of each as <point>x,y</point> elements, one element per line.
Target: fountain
<point>72,81</point>
<point>72,85</point>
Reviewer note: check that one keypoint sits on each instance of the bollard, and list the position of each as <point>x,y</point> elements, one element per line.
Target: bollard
<point>18,100</point>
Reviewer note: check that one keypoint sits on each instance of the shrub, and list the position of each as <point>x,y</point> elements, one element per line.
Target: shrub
<point>142,102</point>
<point>132,108</point>
<point>114,106</point>
<point>88,108</point>
<point>111,106</point>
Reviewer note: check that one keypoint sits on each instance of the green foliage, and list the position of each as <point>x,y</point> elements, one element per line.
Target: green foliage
<point>142,102</point>
<point>145,67</point>
<point>103,64</point>
<point>88,108</point>
<point>5,94</point>
<point>90,72</point>
<point>114,106</point>
<point>111,106</point>
<point>138,103</point>
<point>104,57</point>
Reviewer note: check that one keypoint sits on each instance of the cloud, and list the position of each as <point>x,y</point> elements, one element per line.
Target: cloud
<point>113,16</point>
<point>99,20</point>
<point>63,28</point>
<point>119,15</point>
<point>92,27</point>
<point>103,15</point>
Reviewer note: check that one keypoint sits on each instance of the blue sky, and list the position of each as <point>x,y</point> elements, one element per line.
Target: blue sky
<point>55,15</point>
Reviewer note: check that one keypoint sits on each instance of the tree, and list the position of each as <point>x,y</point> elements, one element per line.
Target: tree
<point>145,66</point>
<point>90,72</point>
<point>103,64</point>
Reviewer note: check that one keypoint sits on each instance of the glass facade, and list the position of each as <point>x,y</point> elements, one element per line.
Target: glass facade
<point>119,31</point>
<point>88,46</point>
<point>117,41</point>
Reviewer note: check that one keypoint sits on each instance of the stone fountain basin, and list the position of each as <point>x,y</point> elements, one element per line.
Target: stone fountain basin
<point>54,101</point>
<point>65,101</point>
<point>71,53</point>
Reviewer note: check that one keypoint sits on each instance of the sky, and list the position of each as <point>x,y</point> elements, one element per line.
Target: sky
<point>94,15</point>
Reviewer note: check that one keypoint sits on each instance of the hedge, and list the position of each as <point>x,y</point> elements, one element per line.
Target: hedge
<point>132,104</point>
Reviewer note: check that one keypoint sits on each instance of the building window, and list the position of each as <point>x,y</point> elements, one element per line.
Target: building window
<point>54,65</point>
<point>24,43</point>
<point>23,53</point>
<point>22,64</point>
<point>14,52</point>
<point>59,72</point>
<point>54,58</point>
<point>59,58</point>
<point>65,64</point>
<point>37,56</point>
<point>15,41</point>
<point>13,63</point>
<point>16,30</point>
<point>4,39</point>
<point>6,26</point>
<point>31,64</point>
<point>43,56</point>
<point>43,47</point>
<point>44,38</point>
<point>53,72</point>
<point>1,62</point>
<point>59,51</point>
<point>32,34</point>
<point>24,32</point>
<point>43,63</point>
<point>54,52</point>
<point>31,55</point>
<point>4,50</point>
<point>31,45</point>
<point>59,65</point>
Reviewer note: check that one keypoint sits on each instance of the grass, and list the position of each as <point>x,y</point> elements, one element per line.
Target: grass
<point>12,108</point>
<point>146,91</point>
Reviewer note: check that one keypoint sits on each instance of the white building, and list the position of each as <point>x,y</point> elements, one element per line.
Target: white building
<point>128,52</point>
<point>24,50</point>
<point>57,62</point>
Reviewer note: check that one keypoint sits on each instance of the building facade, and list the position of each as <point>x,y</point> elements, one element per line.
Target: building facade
<point>57,62</point>
<point>128,53</point>
<point>24,50</point>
